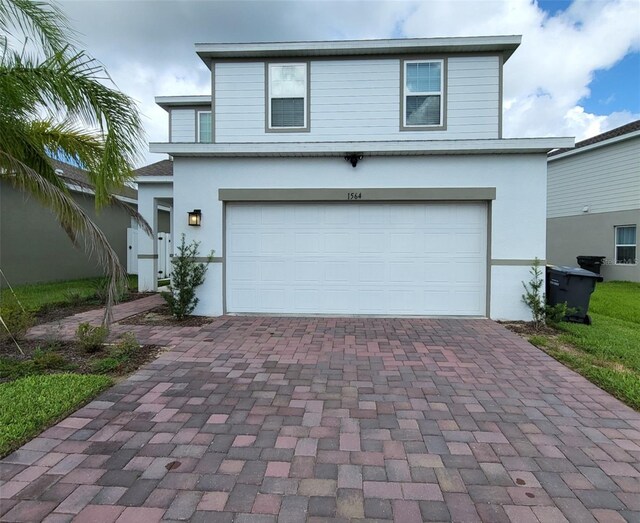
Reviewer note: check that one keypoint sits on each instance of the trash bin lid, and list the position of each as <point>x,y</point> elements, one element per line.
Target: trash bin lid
<point>574,271</point>
<point>598,259</point>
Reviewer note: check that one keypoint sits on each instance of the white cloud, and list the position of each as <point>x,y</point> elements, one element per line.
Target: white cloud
<point>148,46</point>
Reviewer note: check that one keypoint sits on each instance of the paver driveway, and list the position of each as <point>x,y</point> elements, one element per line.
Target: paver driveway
<point>288,419</point>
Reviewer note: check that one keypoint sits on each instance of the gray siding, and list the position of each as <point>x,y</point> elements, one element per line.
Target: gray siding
<point>183,125</point>
<point>605,179</point>
<point>34,248</point>
<point>354,100</point>
<point>591,235</point>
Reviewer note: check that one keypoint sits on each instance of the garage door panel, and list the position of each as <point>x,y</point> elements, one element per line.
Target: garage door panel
<point>307,271</point>
<point>273,271</point>
<point>337,243</point>
<point>404,243</point>
<point>338,272</point>
<point>356,258</point>
<point>273,243</point>
<point>307,243</point>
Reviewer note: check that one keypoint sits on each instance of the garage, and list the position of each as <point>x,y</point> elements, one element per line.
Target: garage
<point>362,258</point>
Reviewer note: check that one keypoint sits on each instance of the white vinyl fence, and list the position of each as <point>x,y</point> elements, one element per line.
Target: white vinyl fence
<point>165,249</point>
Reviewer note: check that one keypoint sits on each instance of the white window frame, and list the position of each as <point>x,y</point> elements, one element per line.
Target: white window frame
<point>305,102</point>
<point>616,244</point>
<point>198,113</point>
<point>406,93</point>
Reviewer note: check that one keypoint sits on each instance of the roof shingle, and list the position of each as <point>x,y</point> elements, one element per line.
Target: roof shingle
<point>613,133</point>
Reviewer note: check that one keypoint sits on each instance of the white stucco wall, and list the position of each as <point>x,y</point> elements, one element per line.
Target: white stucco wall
<point>518,212</point>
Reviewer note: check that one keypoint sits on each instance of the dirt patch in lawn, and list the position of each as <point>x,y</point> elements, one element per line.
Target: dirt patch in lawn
<point>162,316</point>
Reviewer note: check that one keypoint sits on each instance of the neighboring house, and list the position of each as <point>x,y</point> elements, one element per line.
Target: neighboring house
<point>593,206</point>
<point>432,213</point>
<point>35,248</point>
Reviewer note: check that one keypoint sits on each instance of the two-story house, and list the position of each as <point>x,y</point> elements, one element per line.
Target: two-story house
<point>594,202</point>
<point>354,177</point>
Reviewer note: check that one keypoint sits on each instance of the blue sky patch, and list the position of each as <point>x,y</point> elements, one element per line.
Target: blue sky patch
<point>616,89</point>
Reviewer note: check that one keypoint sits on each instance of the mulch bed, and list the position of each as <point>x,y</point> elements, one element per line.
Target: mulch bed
<point>162,316</point>
<point>75,358</point>
<point>526,328</point>
<point>57,312</point>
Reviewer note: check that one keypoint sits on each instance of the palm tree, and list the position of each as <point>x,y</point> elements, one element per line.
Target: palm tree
<point>56,101</point>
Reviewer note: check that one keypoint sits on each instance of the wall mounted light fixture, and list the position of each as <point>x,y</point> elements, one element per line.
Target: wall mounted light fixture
<point>195,217</point>
<point>353,158</point>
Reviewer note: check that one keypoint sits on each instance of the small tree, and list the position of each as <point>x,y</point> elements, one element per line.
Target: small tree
<point>187,274</point>
<point>534,296</point>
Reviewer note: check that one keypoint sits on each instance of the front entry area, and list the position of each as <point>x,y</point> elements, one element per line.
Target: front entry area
<point>357,258</point>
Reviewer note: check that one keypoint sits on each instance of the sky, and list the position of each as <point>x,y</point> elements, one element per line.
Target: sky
<point>576,73</point>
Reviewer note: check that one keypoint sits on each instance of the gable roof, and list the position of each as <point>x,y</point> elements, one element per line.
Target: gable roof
<point>613,133</point>
<point>161,168</point>
<point>72,174</point>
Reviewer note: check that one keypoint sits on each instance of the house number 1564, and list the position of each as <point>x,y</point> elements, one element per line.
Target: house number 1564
<point>354,196</point>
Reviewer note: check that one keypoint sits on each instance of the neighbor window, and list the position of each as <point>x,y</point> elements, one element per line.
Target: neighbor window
<point>422,93</point>
<point>626,244</point>
<point>204,126</point>
<point>287,96</point>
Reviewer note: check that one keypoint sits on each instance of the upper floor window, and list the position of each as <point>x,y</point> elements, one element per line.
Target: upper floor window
<point>626,244</point>
<point>204,127</point>
<point>423,94</point>
<point>287,97</point>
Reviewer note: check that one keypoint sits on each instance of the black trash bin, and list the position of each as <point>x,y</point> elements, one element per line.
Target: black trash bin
<point>591,263</point>
<point>573,286</point>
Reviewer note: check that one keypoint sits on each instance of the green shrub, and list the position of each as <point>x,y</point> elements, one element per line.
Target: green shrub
<point>106,365</point>
<point>91,337</point>
<point>119,355</point>
<point>186,276</point>
<point>16,319</point>
<point>533,295</point>
<point>49,360</point>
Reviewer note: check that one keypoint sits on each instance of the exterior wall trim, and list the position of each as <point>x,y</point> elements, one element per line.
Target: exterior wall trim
<point>367,194</point>
<point>516,263</point>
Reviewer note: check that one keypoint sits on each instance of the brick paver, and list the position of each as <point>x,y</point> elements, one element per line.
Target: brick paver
<point>304,419</point>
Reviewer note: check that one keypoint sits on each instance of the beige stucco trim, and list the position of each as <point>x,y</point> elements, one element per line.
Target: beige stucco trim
<point>205,259</point>
<point>517,263</point>
<point>367,194</point>
<point>487,292</point>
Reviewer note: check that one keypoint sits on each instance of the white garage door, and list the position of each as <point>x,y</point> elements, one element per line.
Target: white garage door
<point>356,258</point>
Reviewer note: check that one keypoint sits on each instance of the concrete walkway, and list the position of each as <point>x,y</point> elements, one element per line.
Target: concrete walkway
<point>318,419</point>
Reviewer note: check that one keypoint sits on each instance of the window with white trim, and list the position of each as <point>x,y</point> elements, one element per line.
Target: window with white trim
<point>625,244</point>
<point>423,93</point>
<point>287,96</point>
<point>204,127</point>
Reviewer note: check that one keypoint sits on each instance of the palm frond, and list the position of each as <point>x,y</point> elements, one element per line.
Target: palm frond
<point>42,21</point>
<point>68,84</point>
<point>69,212</point>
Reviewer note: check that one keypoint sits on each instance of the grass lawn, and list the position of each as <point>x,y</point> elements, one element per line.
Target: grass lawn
<point>608,351</point>
<point>37,295</point>
<point>33,403</point>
